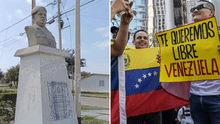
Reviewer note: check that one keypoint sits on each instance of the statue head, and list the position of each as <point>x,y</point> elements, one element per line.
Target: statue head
<point>39,15</point>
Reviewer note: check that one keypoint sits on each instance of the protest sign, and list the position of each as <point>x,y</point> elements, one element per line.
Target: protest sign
<point>189,53</point>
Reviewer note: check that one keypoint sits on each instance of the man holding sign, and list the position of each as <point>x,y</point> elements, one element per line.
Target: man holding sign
<point>204,96</point>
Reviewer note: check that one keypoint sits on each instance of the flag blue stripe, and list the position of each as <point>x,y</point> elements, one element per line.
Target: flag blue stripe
<point>114,73</point>
<point>142,80</point>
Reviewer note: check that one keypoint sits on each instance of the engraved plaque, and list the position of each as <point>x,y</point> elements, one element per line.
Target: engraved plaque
<point>59,101</point>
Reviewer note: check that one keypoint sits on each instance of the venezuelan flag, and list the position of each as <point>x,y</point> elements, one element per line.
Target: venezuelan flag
<point>140,87</point>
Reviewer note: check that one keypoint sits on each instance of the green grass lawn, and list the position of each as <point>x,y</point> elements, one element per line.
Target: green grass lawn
<point>85,107</point>
<point>92,120</point>
<point>95,94</point>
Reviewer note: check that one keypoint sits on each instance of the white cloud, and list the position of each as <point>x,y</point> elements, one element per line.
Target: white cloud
<point>29,1</point>
<point>38,2</point>
<point>104,31</point>
<point>9,17</point>
<point>20,13</point>
<point>102,44</point>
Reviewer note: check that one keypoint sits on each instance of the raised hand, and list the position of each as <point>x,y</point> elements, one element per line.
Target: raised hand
<point>158,57</point>
<point>127,17</point>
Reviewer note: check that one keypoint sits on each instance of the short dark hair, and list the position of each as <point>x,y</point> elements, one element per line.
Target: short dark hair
<point>208,2</point>
<point>137,32</point>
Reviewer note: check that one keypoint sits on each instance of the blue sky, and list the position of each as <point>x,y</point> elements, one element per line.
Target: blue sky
<point>94,28</point>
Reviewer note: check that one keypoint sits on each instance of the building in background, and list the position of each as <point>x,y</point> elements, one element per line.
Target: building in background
<point>141,19</point>
<point>95,83</point>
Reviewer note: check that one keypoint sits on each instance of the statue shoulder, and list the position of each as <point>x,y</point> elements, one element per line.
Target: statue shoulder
<point>30,29</point>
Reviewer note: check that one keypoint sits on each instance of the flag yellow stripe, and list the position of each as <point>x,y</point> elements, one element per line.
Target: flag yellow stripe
<point>141,58</point>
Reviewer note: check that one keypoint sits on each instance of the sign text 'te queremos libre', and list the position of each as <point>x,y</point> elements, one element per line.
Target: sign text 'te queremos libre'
<point>190,53</point>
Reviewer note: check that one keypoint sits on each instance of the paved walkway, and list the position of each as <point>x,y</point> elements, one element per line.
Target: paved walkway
<point>99,102</point>
<point>91,101</point>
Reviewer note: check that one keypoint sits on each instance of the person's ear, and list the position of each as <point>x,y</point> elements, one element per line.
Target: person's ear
<point>133,42</point>
<point>212,13</point>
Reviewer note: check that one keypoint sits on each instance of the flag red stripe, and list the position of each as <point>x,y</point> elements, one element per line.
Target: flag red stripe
<point>150,102</point>
<point>115,107</point>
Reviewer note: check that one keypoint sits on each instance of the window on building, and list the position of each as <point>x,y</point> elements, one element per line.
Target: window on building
<point>158,12</point>
<point>159,28</point>
<point>101,83</point>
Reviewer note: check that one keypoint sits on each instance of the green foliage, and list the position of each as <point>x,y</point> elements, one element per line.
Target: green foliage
<point>153,38</point>
<point>7,106</point>
<point>92,120</point>
<point>1,74</point>
<point>71,61</point>
<point>85,107</point>
<point>13,73</point>
<point>95,94</point>
<point>83,73</point>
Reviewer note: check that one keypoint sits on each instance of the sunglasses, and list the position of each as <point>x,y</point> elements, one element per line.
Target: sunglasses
<point>199,7</point>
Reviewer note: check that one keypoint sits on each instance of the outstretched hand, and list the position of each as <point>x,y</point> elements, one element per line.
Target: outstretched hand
<point>158,57</point>
<point>127,17</point>
<point>120,5</point>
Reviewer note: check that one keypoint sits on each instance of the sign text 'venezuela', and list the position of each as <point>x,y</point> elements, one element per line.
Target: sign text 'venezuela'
<point>189,53</point>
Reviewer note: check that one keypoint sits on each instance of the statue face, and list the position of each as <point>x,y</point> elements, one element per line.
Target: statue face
<point>40,18</point>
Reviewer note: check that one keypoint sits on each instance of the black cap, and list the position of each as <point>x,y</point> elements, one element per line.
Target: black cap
<point>114,28</point>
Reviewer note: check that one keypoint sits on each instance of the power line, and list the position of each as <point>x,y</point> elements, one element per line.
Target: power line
<point>4,44</point>
<point>73,9</point>
<point>9,38</point>
<point>52,3</point>
<point>69,25</point>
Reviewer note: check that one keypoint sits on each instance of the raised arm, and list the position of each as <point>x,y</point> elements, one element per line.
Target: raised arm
<point>122,38</point>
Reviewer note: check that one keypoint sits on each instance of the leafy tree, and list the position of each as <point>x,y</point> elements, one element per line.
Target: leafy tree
<point>154,41</point>
<point>13,73</point>
<point>71,62</point>
<point>1,74</point>
<point>83,73</point>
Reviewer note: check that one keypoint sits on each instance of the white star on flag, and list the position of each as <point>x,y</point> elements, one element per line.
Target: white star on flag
<point>144,76</point>
<point>155,73</point>
<point>139,80</point>
<point>137,86</point>
<point>149,74</point>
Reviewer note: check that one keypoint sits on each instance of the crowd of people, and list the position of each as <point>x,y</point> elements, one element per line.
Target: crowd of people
<point>204,97</point>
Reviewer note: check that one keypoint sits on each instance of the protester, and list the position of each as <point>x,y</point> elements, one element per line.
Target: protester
<point>184,115</point>
<point>121,40</point>
<point>114,31</point>
<point>141,41</point>
<point>204,96</point>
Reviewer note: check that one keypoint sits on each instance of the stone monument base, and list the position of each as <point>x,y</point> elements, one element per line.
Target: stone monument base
<point>44,92</point>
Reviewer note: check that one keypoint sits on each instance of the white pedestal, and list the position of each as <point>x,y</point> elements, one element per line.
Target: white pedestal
<point>44,93</point>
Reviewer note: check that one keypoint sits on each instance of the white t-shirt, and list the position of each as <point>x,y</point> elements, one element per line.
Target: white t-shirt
<point>205,88</point>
